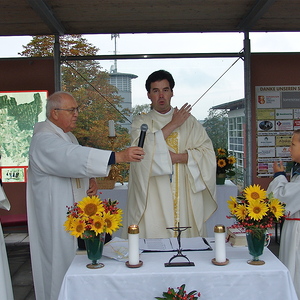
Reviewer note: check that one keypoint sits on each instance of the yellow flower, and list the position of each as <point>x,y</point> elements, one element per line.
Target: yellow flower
<point>221,151</point>
<point>91,205</point>
<point>221,163</point>
<point>257,209</point>
<point>98,224</point>
<point>276,208</point>
<point>241,212</point>
<point>112,222</point>
<point>232,204</point>
<point>254,193</point>
<point>231,160</point>
<point>78,227</point>
<point>68,223</point>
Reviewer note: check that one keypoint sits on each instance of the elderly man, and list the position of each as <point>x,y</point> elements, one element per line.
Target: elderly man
<point>60,173</point>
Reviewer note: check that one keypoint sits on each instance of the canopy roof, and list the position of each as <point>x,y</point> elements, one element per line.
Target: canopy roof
<point>45,17</point>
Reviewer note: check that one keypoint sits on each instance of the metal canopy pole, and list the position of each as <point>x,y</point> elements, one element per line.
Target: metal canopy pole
<point>248,114</point>
<point>57,67</point>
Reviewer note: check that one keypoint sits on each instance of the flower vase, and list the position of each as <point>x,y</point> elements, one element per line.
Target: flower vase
<point>220,178</point>
<point>256,242</point>
<point>94,248</point>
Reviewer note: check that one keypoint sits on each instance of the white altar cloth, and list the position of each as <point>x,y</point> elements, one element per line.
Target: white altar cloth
<point>235,281</point>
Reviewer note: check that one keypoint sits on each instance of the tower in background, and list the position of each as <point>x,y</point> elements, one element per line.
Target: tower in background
<point>122,81</point>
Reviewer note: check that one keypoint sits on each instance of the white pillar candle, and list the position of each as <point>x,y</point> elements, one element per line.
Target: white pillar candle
<point>220,251</point>
<point>111,128</point>
<point>133,245</point>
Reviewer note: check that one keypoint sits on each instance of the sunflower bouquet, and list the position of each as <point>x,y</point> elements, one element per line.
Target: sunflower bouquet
<point>225,162</point>
<point>92,216</point>
<point>255,211</point>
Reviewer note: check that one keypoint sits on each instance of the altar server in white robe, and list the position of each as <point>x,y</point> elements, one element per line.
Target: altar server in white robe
<point>60,173</point>
<point>176,181</point>
<point>289,193</point>
<point>6,291</point>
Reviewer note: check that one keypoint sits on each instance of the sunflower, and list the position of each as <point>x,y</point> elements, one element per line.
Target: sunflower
<point>221,163</point>
<point>68,223</point>
<point>112,222</point>
<point>257,209</point>
<point>254,192</point>
<point>241,212</point>
<point>276,208</point>
<point>232,204</point>
<point>91,205</point>
<point>98,224</point>
<point>77,228</point>
<point>221,151</point>
<point>231,160</point>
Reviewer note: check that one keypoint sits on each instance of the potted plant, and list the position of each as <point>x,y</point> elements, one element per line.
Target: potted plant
<point>90,219</point>
<point>225,165</point>
<point>255,212</point>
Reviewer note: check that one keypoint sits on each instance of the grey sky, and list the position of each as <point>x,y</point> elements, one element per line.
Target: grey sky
<point>192,76</point>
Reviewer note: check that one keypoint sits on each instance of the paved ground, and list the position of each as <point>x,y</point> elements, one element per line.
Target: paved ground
<point>17,247</point>
<point>18,253</point>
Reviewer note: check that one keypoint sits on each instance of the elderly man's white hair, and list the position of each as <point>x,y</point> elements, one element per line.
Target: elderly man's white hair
<point>54,101</point>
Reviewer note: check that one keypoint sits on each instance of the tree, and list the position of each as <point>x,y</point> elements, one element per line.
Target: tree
<point>90,86</point>
<point>141,109</point>
<point>216,125</point>
<point>98,100</point>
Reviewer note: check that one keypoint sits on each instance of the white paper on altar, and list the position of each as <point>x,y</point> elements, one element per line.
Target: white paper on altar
<point>171,244</point>
<point>117,249</point>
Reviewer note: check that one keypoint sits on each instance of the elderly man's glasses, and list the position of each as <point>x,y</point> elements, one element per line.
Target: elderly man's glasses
<point>71,110</point>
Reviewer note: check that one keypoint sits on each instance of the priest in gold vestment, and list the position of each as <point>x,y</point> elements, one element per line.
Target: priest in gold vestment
<point>176,181</point>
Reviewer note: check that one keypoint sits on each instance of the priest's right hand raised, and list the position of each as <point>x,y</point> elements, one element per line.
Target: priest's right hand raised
<point>130,154</point>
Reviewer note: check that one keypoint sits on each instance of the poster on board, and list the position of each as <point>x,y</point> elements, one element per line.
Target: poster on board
<point>277,116</point>
<point>19,111</point>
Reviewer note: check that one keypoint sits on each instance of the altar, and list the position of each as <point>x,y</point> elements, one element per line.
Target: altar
<point>234,281</point>
<point>219,216</point>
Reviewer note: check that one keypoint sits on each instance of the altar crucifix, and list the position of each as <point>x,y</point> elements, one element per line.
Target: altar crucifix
<point>179,251</point>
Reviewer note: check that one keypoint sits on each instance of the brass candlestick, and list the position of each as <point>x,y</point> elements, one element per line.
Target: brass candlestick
<point>114,173</point>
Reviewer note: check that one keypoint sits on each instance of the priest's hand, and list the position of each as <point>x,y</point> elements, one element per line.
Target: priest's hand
<point>178,158</point>
<point>178,118</point>
<point>130,154</point>
<point>93,187</point>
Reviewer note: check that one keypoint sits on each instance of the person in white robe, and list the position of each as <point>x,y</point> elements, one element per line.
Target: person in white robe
<point>60,173</point>
<point>175,184</point>
<point>288,192</point>
<point>6,291</point>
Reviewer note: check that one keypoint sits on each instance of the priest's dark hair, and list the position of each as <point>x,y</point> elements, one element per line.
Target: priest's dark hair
<point>158,76</point>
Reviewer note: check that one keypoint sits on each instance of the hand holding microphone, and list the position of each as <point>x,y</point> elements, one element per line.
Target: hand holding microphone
<point>144,128</point>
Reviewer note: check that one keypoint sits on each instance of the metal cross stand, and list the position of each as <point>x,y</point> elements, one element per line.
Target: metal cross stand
<point>179,251</point>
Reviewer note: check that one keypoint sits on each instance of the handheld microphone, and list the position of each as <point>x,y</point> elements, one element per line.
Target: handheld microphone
<point>144,128</point>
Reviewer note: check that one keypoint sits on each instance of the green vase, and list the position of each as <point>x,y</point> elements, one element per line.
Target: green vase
<point>256,242</point>
<point>220,178</point>
<point>94,249</point>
